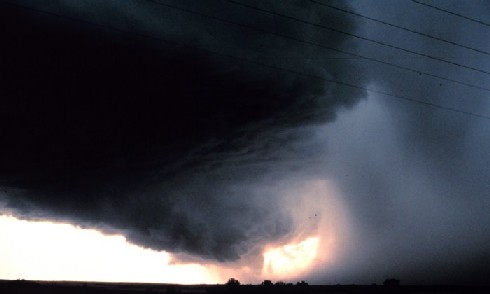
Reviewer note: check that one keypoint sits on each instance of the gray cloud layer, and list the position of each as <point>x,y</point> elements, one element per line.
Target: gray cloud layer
<point>416,177</point>
<point>177,148</point>
<point>191,152</point>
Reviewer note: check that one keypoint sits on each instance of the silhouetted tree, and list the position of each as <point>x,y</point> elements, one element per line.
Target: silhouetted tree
<point>267,283</point>
<point>302,283</point>
<point>233,282</point>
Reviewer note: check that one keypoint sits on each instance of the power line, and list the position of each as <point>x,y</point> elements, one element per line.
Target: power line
<point>416,71</point>
<point>452,13</point>
<point>257,63</point>
<point>359,37</point>
<point>400,27</point>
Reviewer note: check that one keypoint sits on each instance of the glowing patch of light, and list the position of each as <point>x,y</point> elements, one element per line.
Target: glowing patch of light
<point>52,251</point>
<point>290,259</point>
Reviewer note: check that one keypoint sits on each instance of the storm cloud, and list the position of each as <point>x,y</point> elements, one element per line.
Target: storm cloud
<point>416,177</point>
<point>173,128</point>
<point>213,128</point>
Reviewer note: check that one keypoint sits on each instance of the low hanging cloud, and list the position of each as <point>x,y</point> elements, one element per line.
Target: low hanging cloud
<point>163,125</point>
<point>415,177</point>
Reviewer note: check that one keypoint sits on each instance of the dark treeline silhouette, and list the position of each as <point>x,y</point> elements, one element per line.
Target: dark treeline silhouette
<point>232,286</point>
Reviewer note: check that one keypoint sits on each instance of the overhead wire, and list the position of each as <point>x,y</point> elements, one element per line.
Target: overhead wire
<point>452,13</point>
<point>254,62</point>
<point>359,37</point>
<point>356,55</point>
<point>400,27</point>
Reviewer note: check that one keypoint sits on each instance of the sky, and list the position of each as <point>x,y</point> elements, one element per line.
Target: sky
<point>336,142</point>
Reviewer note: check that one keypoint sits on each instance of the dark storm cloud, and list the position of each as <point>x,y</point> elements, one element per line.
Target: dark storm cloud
<point>142,133</point>
<point>416,177</point>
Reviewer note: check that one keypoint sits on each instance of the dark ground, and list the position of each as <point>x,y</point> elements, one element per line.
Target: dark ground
<point>22,286</point>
